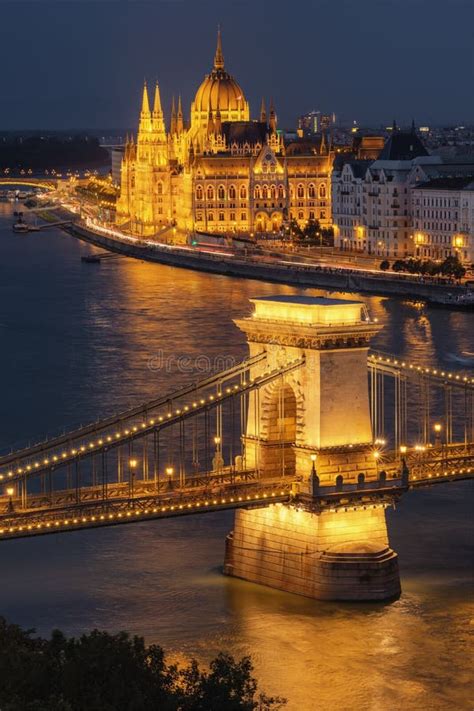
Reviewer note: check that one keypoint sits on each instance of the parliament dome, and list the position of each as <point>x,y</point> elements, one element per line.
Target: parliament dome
<point>219,92</point>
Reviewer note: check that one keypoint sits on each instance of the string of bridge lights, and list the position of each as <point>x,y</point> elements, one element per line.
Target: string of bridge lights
<point>123,516</point>
<point>108,439</point>
<point>422,369</point>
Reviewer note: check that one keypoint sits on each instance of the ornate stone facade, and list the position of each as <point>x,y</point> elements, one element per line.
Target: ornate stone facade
<point>224,173</point>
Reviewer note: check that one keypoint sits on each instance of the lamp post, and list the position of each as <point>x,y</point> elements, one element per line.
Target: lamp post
<point>437,430</point>
<point>10,492</point>
<point>218,462</point>
<point>313,479</point>
<point>169,474</point>
<point>131,480</point>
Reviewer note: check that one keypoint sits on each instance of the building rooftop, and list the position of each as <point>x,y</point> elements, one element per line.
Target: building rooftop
<point>403,145</point>
<point>448,182</point>
<point>305,300</point>
<point>309,310</point>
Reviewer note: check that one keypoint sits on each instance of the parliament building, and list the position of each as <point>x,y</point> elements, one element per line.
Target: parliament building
<point>222,172</point>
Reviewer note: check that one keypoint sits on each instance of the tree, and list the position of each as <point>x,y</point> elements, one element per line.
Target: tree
<point>384,265</point>
<point>452,267</point>
<point>104,672</point>
<point>399,265</point>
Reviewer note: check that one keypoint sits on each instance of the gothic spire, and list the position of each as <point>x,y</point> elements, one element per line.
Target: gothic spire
<point>322,145</point>
<point>173,117</point>
<point>179,117</point>
<point>219,57</point>
<point>273,120</point>
<point>218,123</point>
<point>210,121</point>
<point>145,100</point>
<point>263,112</point>
<point>157,110</point>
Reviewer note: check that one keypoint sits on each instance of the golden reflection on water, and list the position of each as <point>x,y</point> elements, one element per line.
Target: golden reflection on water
<point>82,339</point>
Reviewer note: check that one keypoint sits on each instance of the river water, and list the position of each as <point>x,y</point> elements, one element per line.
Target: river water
<point>82,340</point>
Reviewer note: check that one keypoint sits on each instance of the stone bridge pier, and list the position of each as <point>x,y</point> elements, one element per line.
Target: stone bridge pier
<point>313,423</point>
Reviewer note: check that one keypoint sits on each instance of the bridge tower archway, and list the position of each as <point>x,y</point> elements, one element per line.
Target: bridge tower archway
<point>327,391</point>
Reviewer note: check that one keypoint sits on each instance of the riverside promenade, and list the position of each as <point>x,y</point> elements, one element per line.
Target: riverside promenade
<point>266,268</point>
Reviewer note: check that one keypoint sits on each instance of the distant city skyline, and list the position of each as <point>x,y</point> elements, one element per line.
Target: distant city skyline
<point>82,64</point>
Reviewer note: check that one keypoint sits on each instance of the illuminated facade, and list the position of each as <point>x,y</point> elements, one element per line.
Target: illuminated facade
<point>222,173</point>
<point>443,218</point>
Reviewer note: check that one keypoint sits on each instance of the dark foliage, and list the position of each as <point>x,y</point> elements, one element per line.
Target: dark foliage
<point>104,672</point>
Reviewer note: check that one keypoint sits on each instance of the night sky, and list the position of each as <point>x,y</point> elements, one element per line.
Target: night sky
<point>75,63</point>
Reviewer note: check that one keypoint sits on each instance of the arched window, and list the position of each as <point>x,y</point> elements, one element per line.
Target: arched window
<point>360,481</point>
<point>300,190</point>
<point>232,192</point>
<point>257,193</point>
<point>322,191</point>
<point>159,188</point>
<point>339,482</point>
<point>382,477</point>
<point>221,192</point>
<point>199,192</point>
<point>281,192</point>
<point>265,192</point>
<point>210,217</point>
<point>243,192</point>
<point>311,190</point>
<point>292,192</point>
<point>273,192</point>
<point>300,215</point>
<point>221,217</point>
<point>210,192</point>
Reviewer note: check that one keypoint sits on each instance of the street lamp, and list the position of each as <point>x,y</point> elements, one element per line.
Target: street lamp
<point>133,465</point>
<point>437,430</point>
<point>313,479</point>
<point>218,462</point>
<point>169,474</point>
<point>10,492</point>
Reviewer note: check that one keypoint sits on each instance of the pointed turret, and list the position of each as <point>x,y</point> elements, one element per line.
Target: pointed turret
<point>218,122</point>
<point>263,112</point>
<point>273,119</point>
<point>210,123</point>
<point>179,118</point>
<point>173,118</point>
<point>145,101</point>
<point>157,110</point>
<point>219,57</point>
<point>322,145</point>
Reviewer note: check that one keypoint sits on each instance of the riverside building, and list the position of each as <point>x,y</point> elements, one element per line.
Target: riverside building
<point>406,203</point>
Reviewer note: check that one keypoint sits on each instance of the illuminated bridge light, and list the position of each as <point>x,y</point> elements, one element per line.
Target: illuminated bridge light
<point>135,428</point>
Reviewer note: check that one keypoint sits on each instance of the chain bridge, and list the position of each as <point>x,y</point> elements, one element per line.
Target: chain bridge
<point>310,439</point>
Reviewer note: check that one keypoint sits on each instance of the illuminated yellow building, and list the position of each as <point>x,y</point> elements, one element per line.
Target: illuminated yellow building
<point>223,172</point>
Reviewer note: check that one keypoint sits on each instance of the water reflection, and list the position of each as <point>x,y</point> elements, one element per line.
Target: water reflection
<point>77,342</point>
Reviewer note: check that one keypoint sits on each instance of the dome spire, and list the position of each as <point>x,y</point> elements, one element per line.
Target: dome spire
<point>219,57</point>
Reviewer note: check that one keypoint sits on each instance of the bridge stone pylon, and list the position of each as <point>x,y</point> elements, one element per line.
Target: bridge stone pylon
<point>323,407</point>
<point>313,423</point>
